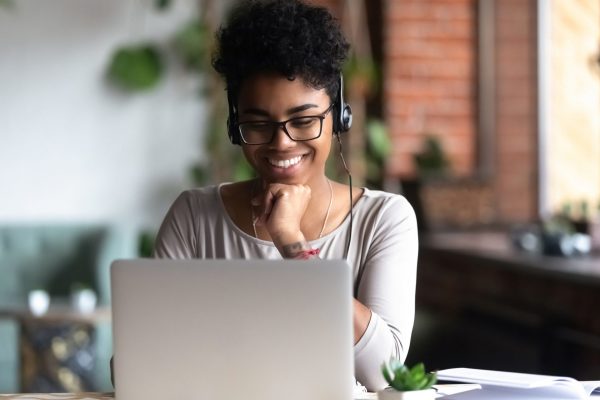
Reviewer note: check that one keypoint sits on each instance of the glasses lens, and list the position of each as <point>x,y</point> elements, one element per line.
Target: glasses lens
<point>257,132</point>
<point>261,132</point>
<point>304,128</point>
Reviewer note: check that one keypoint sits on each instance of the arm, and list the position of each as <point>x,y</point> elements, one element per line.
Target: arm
<point>281,210</point>
<point>361,318</point>
<point>387,287</point>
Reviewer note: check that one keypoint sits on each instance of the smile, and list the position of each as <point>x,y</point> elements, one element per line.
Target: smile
<point>285,163</point>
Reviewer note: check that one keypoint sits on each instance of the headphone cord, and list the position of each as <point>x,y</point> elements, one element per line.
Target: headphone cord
<point>337,135</point>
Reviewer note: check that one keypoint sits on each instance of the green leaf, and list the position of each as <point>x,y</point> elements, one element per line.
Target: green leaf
<point>378,139</point>
<point>432,160</point>
<point>146,243</point>
<point>191,45</point>
<point>7,3</point>
<point>162,5</point>
<point>403,378</point>
<point>418,371</point>
<point>243,171</point>
<point>199,174</point>
<point>386,373</point>
<point>135,68</point>
<point>431,380</point>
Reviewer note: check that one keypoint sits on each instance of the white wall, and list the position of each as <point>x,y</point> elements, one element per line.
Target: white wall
<point>71,147</point>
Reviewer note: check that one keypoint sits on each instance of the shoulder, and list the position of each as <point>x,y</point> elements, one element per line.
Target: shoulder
<point>193,202</point>
<point>384,211</point>
<point>380,201</point>
<point>193,198</point>
<point>177,236</point>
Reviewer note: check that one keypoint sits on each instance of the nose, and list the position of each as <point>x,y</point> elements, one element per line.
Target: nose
<point>281,138</point>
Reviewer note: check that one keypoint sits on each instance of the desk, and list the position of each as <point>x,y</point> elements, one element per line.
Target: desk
<point>95,396</point>
<point>507,310</point>
<point>58,350</point>
<point>58,396</point>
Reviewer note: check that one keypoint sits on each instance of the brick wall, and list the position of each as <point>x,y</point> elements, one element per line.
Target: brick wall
<point>429,87</point>
<point>516,177</point>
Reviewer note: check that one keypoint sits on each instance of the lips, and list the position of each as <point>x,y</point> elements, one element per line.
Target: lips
<point>287,163</point>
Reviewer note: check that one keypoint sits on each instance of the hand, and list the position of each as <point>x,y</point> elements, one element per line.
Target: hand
<point>280,208</point>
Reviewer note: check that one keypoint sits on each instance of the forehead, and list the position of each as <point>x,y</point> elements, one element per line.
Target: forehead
<point>269,91</point>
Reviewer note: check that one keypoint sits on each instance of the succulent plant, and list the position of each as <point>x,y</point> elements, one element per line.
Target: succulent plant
<point>404,379</point>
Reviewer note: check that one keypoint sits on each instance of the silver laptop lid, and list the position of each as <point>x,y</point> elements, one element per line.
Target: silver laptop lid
<point>229,329</point>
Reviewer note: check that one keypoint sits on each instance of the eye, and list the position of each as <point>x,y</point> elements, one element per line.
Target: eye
<point>302,123</point>
<point>257,127</point>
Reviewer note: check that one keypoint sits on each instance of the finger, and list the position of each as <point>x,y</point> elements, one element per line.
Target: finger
<point>268,201</point>
<point>262,206</point>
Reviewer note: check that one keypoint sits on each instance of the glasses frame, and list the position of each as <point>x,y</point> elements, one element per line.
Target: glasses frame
<point>283,124</point>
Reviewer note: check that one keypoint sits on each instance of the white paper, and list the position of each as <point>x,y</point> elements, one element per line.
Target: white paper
<point>502,385</point>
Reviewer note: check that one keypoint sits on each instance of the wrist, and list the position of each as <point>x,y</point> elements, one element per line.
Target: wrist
<point>307,254</point>
<point>290,241</point>
<point>292,246</point>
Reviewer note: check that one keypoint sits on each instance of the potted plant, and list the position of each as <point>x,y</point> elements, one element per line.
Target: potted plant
<point>407,383</point>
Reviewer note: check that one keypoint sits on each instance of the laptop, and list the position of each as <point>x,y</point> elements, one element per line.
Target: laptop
<point>232,329</point>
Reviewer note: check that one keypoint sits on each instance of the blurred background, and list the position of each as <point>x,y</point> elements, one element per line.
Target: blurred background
<point>485,114</point>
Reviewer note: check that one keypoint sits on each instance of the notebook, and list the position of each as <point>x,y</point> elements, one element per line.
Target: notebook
<point>496,385</point>
<point>225,329</point>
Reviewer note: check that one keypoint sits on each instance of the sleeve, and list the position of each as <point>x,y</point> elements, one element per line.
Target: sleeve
<point>387,287</point>
<point>176,237</point>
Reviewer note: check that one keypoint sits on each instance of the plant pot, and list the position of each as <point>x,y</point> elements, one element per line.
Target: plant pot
<point>393,394</point>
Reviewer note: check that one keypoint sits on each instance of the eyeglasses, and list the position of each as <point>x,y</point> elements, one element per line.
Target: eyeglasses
<point>299,129</point>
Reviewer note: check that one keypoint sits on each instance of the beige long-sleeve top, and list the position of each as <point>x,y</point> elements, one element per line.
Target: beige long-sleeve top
<point>382,252</point>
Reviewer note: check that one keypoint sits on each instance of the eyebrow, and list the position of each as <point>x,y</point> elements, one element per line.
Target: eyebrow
<point>291,111</point>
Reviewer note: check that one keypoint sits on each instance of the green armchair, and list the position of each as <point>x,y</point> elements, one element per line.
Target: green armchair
<point>54,257</point>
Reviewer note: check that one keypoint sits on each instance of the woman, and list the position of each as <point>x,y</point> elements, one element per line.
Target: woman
<point>281,61</point>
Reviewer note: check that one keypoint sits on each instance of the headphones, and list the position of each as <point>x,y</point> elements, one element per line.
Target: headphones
<point>342,115</point>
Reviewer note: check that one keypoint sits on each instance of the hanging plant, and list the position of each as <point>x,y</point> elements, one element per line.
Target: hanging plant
<point>191,45</point>
<point>363,74</point>
<point>378,150</point>
<point>162,5</point>
<point>136,68</point>
<point>431,162</point>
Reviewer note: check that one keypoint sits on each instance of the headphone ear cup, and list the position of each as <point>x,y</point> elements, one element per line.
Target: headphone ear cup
<point>343,113</point>
<point>232,129</point>
<point>346,118</point>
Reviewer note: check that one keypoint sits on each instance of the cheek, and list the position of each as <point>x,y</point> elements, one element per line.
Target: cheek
<point>325,147</point>
<point>249,154</point>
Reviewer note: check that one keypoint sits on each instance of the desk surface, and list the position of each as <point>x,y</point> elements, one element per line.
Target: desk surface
<point>58,396</point>
<point>496,247</point>
<point>56,313</point>
<point>99,396</point>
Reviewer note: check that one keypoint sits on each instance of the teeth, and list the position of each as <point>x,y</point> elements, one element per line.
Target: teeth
<point>285,163</point>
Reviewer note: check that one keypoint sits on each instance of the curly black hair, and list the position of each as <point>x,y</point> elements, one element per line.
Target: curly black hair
<point>288,37</point>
